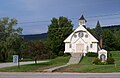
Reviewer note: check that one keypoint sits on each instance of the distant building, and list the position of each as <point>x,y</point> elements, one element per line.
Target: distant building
<point>80,40</point>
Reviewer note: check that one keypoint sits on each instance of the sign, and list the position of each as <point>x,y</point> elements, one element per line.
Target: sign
<point>15,58</point>
<point>102,55</point>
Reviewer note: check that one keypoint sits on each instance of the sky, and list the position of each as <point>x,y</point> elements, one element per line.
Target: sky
<point>34,15</point>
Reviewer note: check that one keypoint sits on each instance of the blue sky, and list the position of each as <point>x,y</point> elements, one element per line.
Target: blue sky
<point>36,11</point>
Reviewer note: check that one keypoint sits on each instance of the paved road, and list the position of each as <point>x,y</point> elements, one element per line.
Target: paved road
<point>2,65</point>
<point>59,75</point>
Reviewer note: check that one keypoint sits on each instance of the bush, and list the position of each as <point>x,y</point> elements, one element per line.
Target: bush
<point>61,53</point>
<point>96,61</point>
<point>91,54</point>
<point>66,54</point>
<point>110,61</point>
<point>103,63</point>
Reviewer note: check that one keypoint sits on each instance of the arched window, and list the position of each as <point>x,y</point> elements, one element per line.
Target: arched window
<point>75,35</point>
<point>80,34</point>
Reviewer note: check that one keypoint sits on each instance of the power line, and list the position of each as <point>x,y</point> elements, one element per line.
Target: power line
<point>106,15</point>
<point>104,18</point>
<point>32,22</point>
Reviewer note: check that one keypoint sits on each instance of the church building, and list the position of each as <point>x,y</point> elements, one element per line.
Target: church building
<point>81,40</point>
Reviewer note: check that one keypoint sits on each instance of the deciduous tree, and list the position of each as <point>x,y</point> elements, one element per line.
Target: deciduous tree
<point>38,50</point>
<point>58,31</point>
<point>9,37</point>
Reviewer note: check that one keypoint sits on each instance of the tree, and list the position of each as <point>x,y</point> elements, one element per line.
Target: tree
<point>98,30</point>
<point>109,42</point>
<point>92,31</point>
<point>58,31</point>
<point>38,50</point>
<point>9,37</point>
<point>117,39</point>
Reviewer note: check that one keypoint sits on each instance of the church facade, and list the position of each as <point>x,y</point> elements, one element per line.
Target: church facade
<point>81,40</point>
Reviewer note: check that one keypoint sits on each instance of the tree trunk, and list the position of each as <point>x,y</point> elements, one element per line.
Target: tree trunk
<point>35,60</point>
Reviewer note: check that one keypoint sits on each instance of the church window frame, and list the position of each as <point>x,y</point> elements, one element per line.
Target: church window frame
<point>86,36</point>
<point>75,36</point>
<point>70,46</point>
<point>91,45</point>
<point>80,34</point>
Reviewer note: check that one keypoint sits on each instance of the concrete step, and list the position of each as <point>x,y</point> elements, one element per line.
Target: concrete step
<point>54,68</point>
<point>75,58</point>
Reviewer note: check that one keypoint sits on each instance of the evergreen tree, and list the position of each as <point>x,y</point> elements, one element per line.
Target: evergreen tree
<point>98,31</point>
<point>58,31</point>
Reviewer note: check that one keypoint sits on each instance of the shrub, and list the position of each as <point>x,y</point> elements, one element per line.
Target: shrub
<point>67,54</point>
<point>103,63</point>
<point>61,53</point>
<point>91,54</point>
<point>110,61</point>
<point>96,61</point>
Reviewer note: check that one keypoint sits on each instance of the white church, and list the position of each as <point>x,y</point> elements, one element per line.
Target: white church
<point>81,41</point>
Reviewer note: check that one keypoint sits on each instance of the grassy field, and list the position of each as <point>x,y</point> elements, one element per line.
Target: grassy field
<point>36,67</point>
<point>86,65</point>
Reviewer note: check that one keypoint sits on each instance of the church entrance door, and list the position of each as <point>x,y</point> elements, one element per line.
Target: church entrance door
<point>79,48</point>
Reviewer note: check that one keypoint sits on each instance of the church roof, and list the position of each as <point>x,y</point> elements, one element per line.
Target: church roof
<point>82,18</point>
<point>80,28</point>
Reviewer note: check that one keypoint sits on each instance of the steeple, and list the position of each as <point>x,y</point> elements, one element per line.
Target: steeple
<point>82,20</point>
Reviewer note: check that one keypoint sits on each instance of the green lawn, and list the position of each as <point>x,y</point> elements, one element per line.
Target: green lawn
<point>36,67</point>
<point>86,65</point>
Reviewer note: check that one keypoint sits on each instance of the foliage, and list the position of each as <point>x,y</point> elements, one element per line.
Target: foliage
<point>66,54</point>
<point>42,36</point>
<point>38,50</point>
<point>92,31</point>
<point>117,39</point>
<point>110,36</point>
<point>110,61</point>
<point>96,61</point>
<point>10,41</point>
<point>91,54</point>
<point>103,63</point>
<point>98,30</point>
<point>58,31</point>
<point>109,41</point>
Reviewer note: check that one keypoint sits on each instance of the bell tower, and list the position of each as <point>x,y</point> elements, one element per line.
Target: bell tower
<point>82,20</point>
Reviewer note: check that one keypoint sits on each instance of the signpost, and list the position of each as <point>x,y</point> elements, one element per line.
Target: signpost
<point>16,60</point>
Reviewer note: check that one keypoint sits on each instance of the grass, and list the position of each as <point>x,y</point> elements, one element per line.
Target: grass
<point>86,65</point>
<point>37,67</point>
